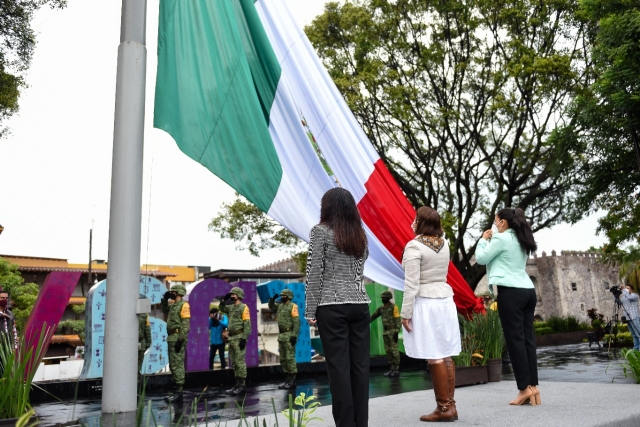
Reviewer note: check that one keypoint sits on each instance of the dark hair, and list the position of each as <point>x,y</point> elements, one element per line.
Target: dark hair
<point>517,221</point>
<point>213,310</point>
<point>339,212</point>
<point>428,222</point>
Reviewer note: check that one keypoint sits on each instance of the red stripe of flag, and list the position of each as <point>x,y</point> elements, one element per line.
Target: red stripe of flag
<point>389,215</point>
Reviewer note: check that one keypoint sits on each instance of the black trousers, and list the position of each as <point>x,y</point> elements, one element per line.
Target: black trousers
<point>344,332</point>
<point>213,348</point>
<point>516,307</point>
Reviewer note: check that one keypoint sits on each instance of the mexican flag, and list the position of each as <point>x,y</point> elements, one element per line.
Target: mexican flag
<point>242,92</point>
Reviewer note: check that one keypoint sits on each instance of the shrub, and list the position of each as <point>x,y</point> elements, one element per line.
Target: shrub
<point>565,324</point>
<point>543,331</point>
<point>633,364</point>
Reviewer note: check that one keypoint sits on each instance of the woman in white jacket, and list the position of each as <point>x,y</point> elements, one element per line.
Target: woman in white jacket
<point>428,312</point>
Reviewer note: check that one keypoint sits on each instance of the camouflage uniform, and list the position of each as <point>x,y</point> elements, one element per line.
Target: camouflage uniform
<point>289,328</point>
<point>144,338</point>
<point>178,321</point>
<point>239,329</point>
<point>391,323</point>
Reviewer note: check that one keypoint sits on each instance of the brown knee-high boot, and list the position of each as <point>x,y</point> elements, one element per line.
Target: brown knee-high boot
<point>440,379</point>
<point>451,373</point>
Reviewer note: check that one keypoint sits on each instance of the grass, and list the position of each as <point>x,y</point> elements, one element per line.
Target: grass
<point>18,369</point>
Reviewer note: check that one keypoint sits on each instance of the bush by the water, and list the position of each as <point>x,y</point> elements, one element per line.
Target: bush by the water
<point>558,324</point>
<point>622,339</point>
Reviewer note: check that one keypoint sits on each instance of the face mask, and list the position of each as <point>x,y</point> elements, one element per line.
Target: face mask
<point>284,299</point>
<point>494,229</point>
<point>385,300</point>
<point>3,303</point>
<point>234,298</point>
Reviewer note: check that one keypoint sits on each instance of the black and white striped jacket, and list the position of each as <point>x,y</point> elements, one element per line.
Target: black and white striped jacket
<point>333,277</point>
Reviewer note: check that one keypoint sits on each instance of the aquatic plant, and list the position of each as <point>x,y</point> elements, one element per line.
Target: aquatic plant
<point>632,367</point>
<point>481,338</point>
<point>301,417</point>
<point>17,369</point>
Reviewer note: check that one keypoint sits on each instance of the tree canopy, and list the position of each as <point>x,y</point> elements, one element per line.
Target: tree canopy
<point>602,140</point>
<point>461,98</point>
<point>17,43</point>
<point>23,295</point>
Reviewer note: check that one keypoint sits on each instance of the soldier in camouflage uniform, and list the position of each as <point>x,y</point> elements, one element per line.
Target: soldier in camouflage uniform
<point>178,321</point>
<point>239,330</point>
<point>289,328</point>
<point>391,323</point>
<point>144,338</point>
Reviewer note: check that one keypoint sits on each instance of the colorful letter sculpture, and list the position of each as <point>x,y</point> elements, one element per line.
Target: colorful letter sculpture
<point>52,300</point>
<point>156,358</point>
<point>200,295</point>
<point>268,289</point>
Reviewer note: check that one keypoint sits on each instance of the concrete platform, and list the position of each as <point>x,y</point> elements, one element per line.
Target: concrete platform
<point>564,404</point>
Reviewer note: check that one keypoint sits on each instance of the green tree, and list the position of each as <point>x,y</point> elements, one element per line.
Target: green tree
<point>17,43</point>
<point>23,295</point>
<point>601,140</point>
<point>630,267</point>
<point>460,99</point>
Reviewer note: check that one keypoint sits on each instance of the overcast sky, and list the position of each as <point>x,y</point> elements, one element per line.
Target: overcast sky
<point>55,167</point>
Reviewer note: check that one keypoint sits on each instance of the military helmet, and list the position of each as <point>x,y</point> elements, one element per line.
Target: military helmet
<point>386,294</point>
<point>236,290</point>
<point>287,293</point>
<point>179,289</point>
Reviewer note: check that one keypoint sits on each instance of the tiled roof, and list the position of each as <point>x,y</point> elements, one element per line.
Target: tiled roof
<point>155,273</point>
<point>66,339</point>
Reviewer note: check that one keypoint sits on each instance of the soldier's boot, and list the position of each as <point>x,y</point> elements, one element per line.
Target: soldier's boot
<point>168,398</point>
<point>389,373</point>
<point>177,396</point>
<point>440,379</point>
<point>284,384</point>
<point>233,389</point>
<point>395,371</point>
<point>451,374</point>
<point>241,389</point>
<point>291,384</point>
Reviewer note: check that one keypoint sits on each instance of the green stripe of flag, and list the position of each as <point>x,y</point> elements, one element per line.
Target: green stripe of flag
<point>213,98</point>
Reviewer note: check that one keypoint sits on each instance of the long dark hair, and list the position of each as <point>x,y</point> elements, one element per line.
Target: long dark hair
<point>428,222</point>
<point>339,212</point>
<point>517,221</point>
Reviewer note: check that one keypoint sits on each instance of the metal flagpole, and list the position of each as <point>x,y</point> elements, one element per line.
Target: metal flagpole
<point>121,329</point>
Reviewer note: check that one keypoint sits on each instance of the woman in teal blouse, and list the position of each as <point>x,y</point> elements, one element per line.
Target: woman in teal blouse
<point>504,250</point>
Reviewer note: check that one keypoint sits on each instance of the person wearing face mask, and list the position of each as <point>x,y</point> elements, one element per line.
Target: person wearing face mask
<point>178,315</point>
<point>504,250</point>
<point>391,324</point>
<point>239,329</point>
<point>8,330</point>
<point>289,328</point>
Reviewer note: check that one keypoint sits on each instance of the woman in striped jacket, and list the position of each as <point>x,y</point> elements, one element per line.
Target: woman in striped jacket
<point>337,300</point>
